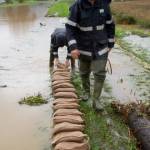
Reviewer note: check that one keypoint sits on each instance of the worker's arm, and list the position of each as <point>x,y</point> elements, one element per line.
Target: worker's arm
<point>71,28</point>
<point>110,28</point>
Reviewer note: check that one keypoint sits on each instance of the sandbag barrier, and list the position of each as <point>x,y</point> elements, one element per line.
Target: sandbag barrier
<point>137,117</point>
<point>67,119</point>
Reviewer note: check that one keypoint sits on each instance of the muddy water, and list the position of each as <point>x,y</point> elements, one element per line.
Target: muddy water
<point>24,56</point>
<point>129,80</point>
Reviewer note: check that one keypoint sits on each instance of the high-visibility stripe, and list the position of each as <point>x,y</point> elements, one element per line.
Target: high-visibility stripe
<point>72,23</point>
<point>55,53</point>
<point>85,28</point>
<point>103,51</point>
<point>85,53</point>
<point>89,28</point>
<point>71,42</point>
<point>109,21</point>
<point>100,27</point>
<point>101,10</point>
<point>111,40</point>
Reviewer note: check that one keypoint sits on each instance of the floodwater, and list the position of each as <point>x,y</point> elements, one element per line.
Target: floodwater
<point>139,42</point>
<point>129,80</point>
<point>24,56</point>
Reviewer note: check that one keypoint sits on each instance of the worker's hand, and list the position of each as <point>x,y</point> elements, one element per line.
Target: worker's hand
<point>67,63</point>
<point>56,61</point>
<point>75,54</point>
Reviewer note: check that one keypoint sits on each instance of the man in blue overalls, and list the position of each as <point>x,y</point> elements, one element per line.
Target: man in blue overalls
<point>90,33</point>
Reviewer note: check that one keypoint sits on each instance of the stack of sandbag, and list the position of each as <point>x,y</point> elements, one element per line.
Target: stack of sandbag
<point>68,122</point>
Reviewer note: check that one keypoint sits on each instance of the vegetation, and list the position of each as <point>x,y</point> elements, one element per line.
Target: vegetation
<point>106,130</point>
<point>60,8</point>
<point>33,100</point>
<point>18,3</point>
<point>132,12</point>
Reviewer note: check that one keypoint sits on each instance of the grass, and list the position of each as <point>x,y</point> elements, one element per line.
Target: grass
<point>60,8</point>
<point>106,131</point>
<point>132,12</point>
<point>33,100</point>
<point>14,3</point>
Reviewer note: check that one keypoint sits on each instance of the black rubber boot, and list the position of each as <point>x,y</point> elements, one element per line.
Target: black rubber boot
<point>86,87</point>
<point>98,86</point>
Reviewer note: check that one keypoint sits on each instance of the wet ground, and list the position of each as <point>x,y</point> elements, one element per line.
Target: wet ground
<point>24,57</point>
<point>129,80</point>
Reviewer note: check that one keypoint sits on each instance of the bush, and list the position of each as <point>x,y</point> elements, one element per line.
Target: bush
<point>125,19</point>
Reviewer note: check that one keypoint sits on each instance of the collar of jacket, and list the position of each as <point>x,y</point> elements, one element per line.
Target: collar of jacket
<point>85,4</point>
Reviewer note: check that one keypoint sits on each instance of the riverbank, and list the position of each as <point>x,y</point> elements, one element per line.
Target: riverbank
<point>16,3</point>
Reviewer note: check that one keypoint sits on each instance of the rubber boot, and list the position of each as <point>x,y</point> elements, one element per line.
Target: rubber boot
<point>86,87</point>
<point>98,85</point>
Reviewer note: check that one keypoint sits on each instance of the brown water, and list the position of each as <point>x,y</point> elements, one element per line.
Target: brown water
<point>24,56</point>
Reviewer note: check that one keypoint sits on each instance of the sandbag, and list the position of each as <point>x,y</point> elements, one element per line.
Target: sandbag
<point>64,112</point>
<point>66,106</point>
<point>57,78</point>
<point>65,90</point>
<point>68,118</point>
<point>66,74</point>
<point>64,101</point>
<point>74,136</point>
<point>63,85</point>
<point>72,146</point>
<point>61,66</point>
<point>65,95</point>
<point>60,70</point>
<point>66,126</point>
<point>60,82</point>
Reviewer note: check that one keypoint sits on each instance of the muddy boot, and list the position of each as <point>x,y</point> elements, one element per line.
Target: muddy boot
<point>86,87</point>
<point>97,103</point>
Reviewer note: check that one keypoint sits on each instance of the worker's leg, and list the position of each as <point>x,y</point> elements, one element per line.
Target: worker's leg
<point>98,68</point>
<point>84,67</point>
<point>73,64</point>
<point>51,59</point>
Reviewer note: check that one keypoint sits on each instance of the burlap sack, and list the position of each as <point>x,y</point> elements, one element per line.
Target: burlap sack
<point>61,66</point>
<point>64,101</point>
<point>63,85</point>
<point>60,70</point>
<point>65,90</point>
<point>56,78</point>
<point>74,136</point>
<point>70,105</point>
<point>66,74</point>
<point>65,112</point>
<point>66,127</point>
<point>68,118</point>
<point>72,146</point>
<point>65,95</point>
<point>60,82</point>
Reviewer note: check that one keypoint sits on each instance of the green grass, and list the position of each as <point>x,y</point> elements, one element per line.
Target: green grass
<point>60,8</point>
<point>33,100</point>
<point>14,3</point>
<point>107,130</point>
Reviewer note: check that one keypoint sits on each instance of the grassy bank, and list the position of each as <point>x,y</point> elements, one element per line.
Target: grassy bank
<point>60,8</point>
<point>13,3</point>
<point>106,130</point>
<point>132,12</point>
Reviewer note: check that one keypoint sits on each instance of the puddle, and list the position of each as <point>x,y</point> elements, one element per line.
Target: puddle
<point>24,58</point>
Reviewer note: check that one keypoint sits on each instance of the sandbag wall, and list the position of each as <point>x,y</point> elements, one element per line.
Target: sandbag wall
<point>67,119</point>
